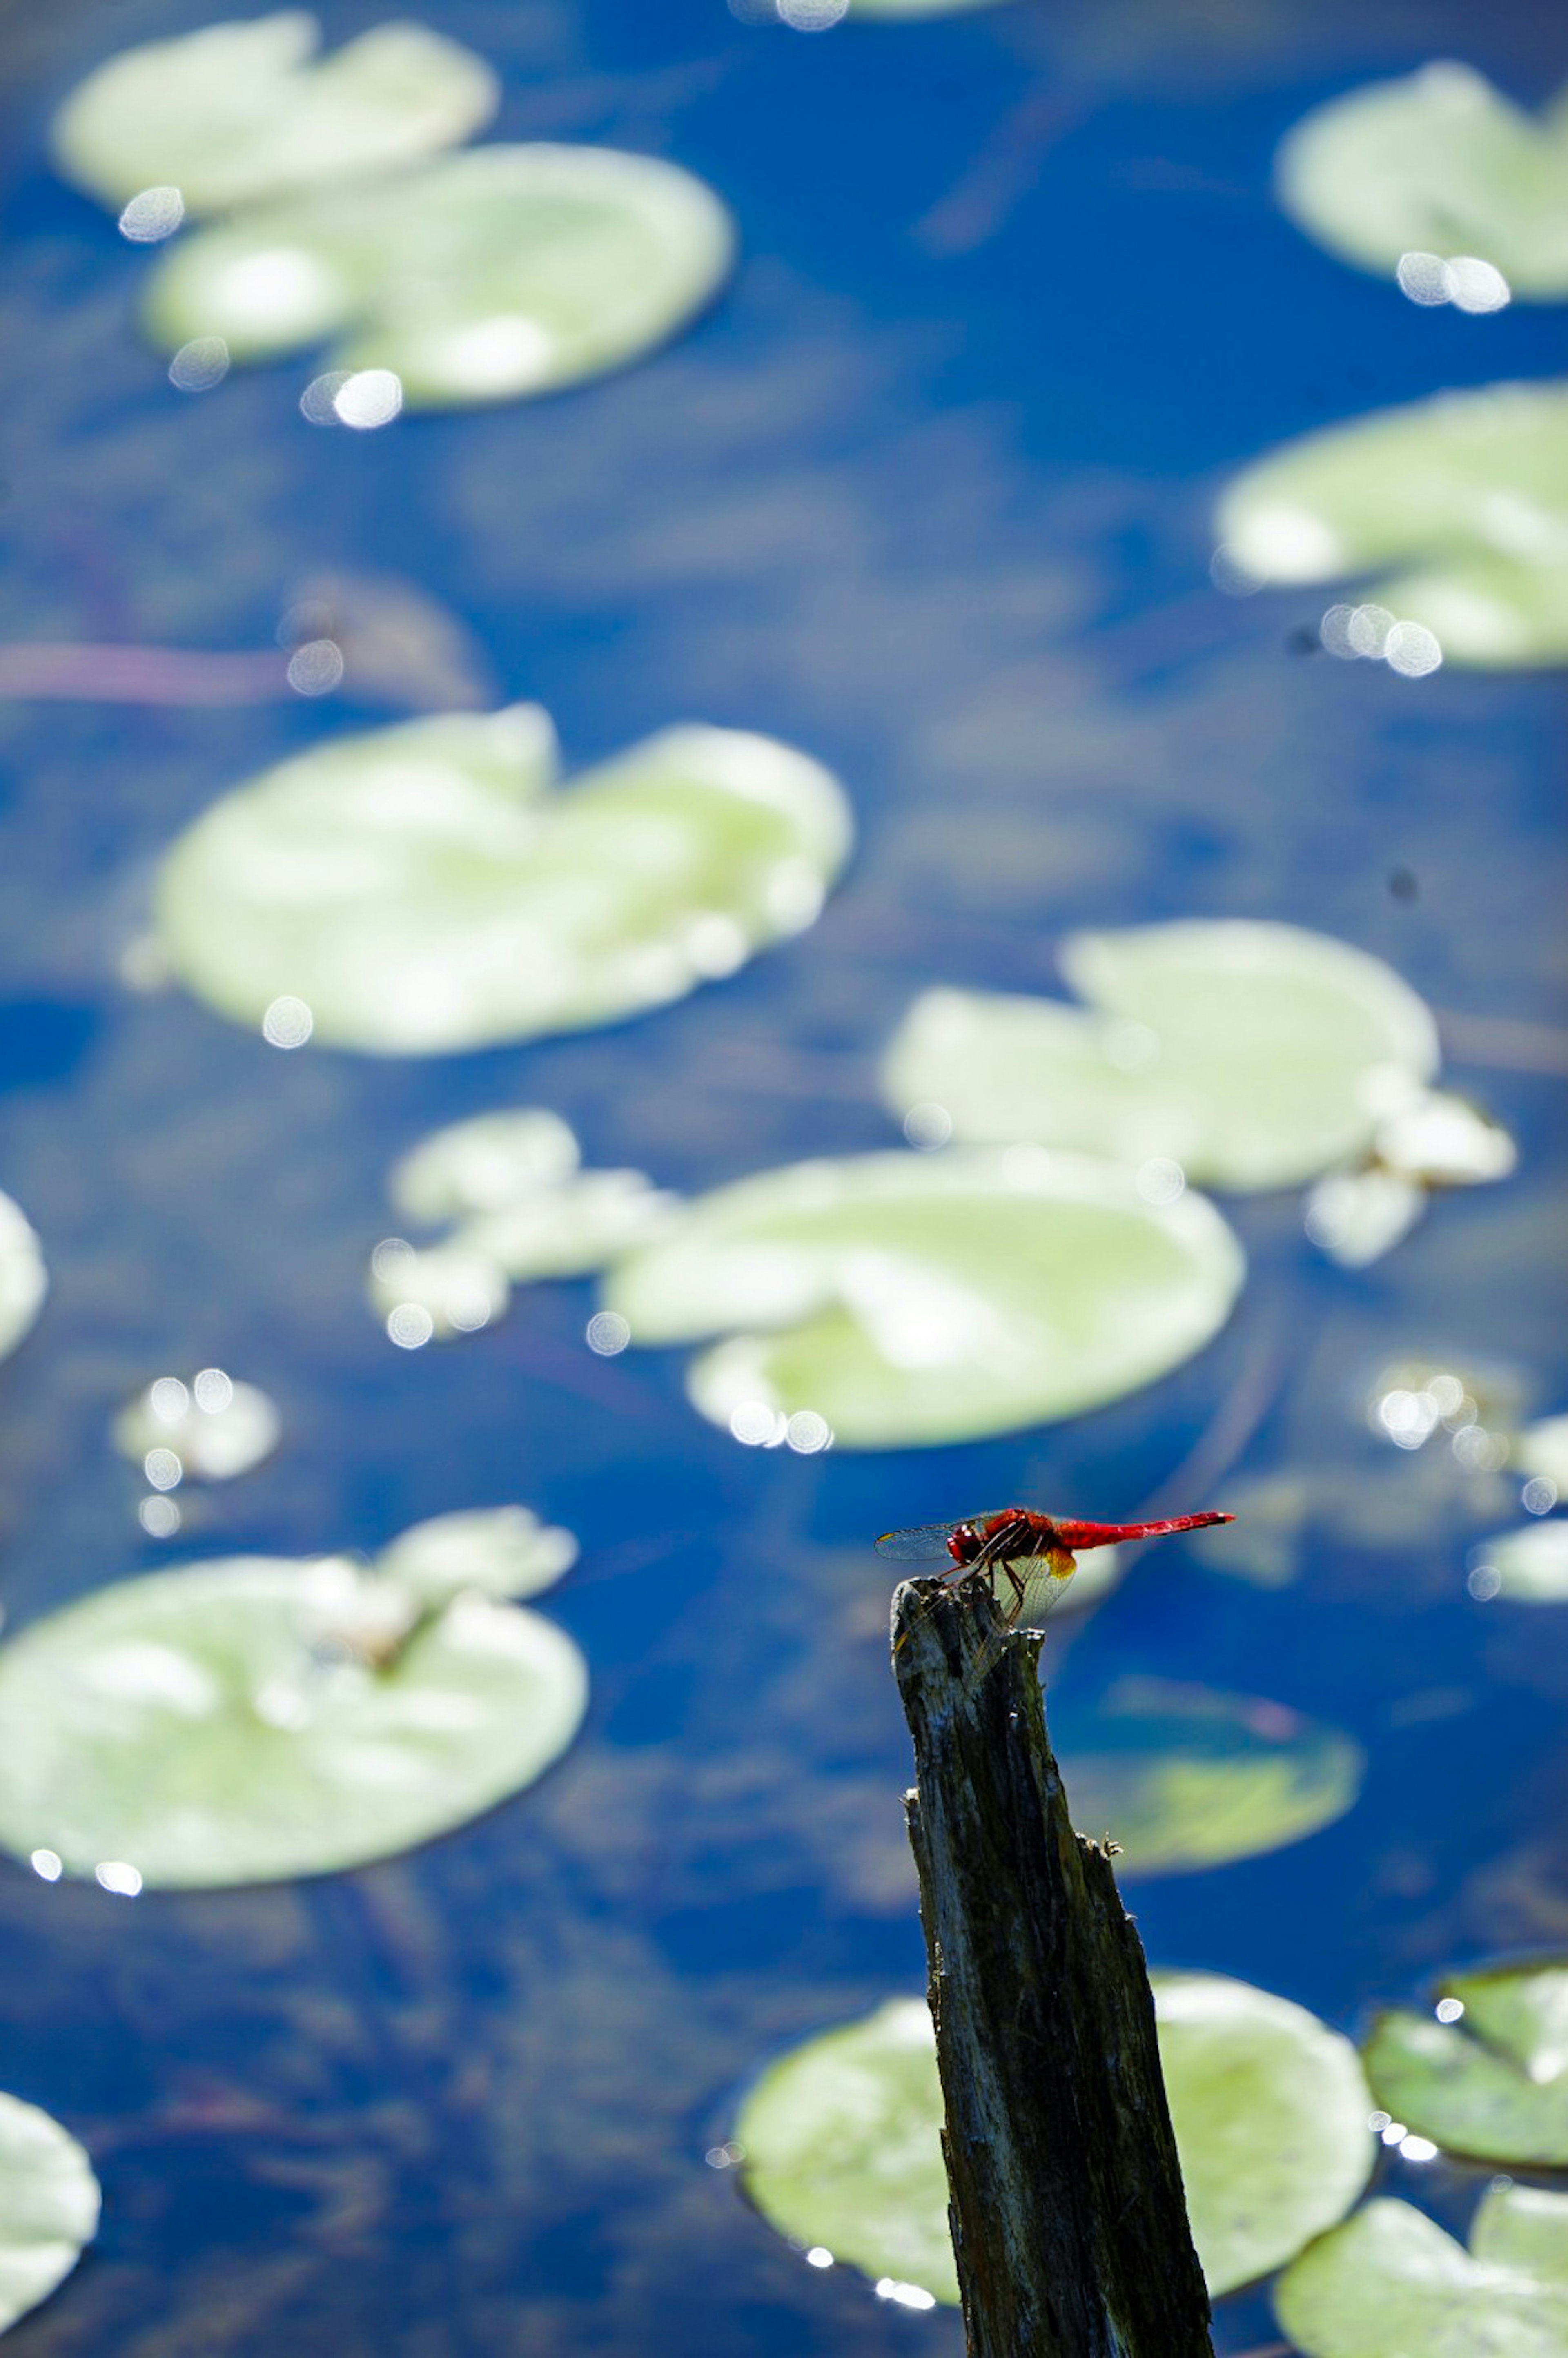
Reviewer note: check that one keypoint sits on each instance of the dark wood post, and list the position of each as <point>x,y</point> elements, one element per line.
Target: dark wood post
<point>1069,2224</point>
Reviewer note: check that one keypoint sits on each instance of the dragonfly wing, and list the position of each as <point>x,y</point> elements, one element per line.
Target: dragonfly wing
<point>921,1543</point>
<point>1025,1590</point>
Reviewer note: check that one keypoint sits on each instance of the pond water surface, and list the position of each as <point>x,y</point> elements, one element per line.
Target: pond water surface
<point>926,493</point>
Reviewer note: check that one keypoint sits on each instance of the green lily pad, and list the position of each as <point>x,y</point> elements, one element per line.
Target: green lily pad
<point>499,272</point>
<point>491,1550</point>
<point>1187,1777</point>
<point>908,1299</point>
<point>213,1427</point>
<point>841,2135</point>
<point>1441,163</point>
<point>1492,2082</point>
<point>484,1164</point>
<point>48,2206</point>
<point>1270,2108</point>
<point>254,1718</point>
<point>1529,1566</point>
<point>1390,2282</point>
<point>24,1280</point>
<point>523,1209</point>
<point>1247,1055</point>
<point>419,890</point>
<point>241,111</point>
<point>1542,1450</point>
<point>1467,491</point>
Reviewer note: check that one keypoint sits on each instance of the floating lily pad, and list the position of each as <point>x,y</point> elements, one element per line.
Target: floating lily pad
<point>1187,1777</point>
<point>1441,163</point>
<point>1245,1055</point>
<point>48,2206</point>
<point>484,1165</point>
<point>241,111</point>
<point>1531,1564</point>
<point>1390,2282</point>
<point>499,272</point>
<point>914,1299</point>
<point>1469,491</point>
<point>1270,2108</point>
<point>1493,2082</point>
<point>1542,1450</point>
<point>24,1281</point>
<point>492,1551</point>
<point>254,1718</point>
<point>522,1208</point>
<point>420,891</point>
<point>212,1426</point>
<point>841,2135</point>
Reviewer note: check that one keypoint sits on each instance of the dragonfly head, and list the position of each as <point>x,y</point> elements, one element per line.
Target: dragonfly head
<point>963,1542</point>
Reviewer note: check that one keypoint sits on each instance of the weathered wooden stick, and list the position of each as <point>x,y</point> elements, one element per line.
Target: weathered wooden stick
<point>1069,2224</point>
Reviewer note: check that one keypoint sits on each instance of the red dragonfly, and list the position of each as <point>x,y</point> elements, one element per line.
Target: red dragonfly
<point>1026,1558</point>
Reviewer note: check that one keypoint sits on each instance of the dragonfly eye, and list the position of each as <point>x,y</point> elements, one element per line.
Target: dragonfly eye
<point>963,1542</point>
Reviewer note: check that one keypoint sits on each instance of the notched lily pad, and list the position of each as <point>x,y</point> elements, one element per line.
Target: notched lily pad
<point>907,1300</point>
<point>1389,2281</point>
<point>1438,164</point>
<point>48,2206</point>
<point>252,1719</point>
<point>419,890</point>
<point>1492,2082</point>
<point>1248,1055</point>
<point>841,2135</point>
<point>242,110</point>
<point>521,1208</point>
<point>1467,493</point>
<point>499,272</point>
<point>24,1281</point>
<point>1187,1777</point>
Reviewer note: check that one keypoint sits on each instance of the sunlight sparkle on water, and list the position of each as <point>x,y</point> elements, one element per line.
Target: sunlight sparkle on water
<point>288,1023</point>
<point>608,1333</point>
<point>759,1424</point>
<point>370,398</point>
<point>153,215</point>
<point>159,1517</point>
<point>820,2256</point>
<point>163,1469</point>
<point>807,1432</point>
<point>48,1864</point>
<point>316,668</point>
<point>410,1325</point>
<point>1466,280</point>
<point>907,2296</point>
<point>927,1126</point>
<point>1160,1180</point>
<point>1539,1495</point>
<point>1449,2009</point>
<point>1484,1582</point>
<point>198,365</point>
<point>117,1875</point>
<point>317,403</point>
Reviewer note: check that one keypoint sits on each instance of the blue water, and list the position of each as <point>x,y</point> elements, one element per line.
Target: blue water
<point>926,493</point>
